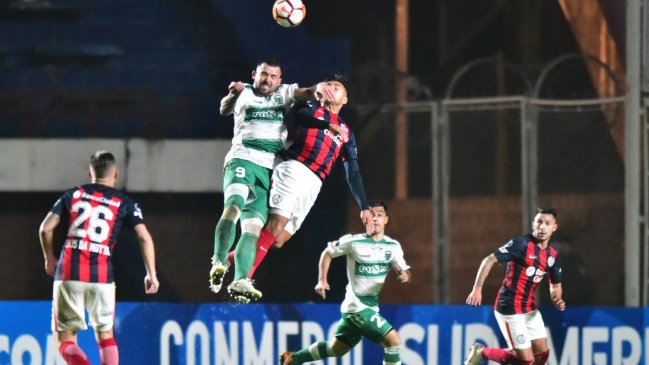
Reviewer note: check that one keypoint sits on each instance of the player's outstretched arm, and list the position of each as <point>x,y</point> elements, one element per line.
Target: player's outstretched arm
<point>556,294</point>
<point>46,236</point>
<point>323,270</point>
<point>227,103</point>
<point>147,249</point>
<point>475,297</point>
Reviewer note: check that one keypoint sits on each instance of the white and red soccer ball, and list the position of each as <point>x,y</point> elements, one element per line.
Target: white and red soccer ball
<point>289,13</point>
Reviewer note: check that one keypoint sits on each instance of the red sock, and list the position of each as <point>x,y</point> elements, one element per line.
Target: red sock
<point>541,358</point>
<point>266,239</point>
<point>503,356</point>
<point>231,258</point>
<point>73,354</point>
<point>108,353</point>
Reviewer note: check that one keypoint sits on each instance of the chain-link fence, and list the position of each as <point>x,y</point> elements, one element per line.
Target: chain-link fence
<point>483,165</point>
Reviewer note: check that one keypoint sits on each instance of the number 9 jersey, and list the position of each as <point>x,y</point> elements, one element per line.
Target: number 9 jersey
<point>95,214</point>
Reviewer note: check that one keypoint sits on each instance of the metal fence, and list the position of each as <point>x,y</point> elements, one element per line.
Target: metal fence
<point>485,164</point>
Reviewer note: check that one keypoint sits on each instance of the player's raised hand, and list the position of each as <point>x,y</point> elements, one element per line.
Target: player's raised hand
<point>368,220</point>
<point>321,288</point>
<point>323,92</point>
<point>151,284</point>
<point>475,297</point>
<point>236,87</point>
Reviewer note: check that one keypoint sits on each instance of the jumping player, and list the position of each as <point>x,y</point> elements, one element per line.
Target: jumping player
<point>259,133</point>
<point>297,180</point>
<point>83,274</point>
<point>360,309</point>
<point>528,259</point>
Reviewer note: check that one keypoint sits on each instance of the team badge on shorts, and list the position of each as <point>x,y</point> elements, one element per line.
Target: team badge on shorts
<point>276,199</point>
<point>520,339</point>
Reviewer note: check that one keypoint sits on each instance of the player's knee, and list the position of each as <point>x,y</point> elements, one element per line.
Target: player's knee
<point>391,339</point>
<point>252,225</point>
<point>277,245</point>
<point>231,213</point>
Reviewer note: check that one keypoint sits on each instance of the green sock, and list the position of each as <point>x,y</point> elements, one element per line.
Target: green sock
<point>391,355</point>
<point>244,254</point>
<point>305,354</point>
<point>223,239</point>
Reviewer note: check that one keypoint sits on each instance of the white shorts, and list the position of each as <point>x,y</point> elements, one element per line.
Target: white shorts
<point>71,299</point>
<point>520,330</point>
<point>293,190</point>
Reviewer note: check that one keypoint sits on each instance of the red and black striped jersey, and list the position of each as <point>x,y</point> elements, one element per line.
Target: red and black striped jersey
<point>95,215</point>
<point>526,265</point>
<point>316,147</point>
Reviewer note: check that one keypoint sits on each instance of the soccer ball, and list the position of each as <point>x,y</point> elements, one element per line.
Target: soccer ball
<point>289,13</point>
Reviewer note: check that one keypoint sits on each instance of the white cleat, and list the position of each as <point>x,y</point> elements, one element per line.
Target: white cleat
<point>475,355</point>
<point>217,272</point>
<point>243,291</point>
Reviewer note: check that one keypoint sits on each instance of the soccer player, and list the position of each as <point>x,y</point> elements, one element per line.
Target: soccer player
<point>369,259</point>
<point>528,259</point>
<point>83,274</point>
<point>321,138</point>
<point>259,133</point>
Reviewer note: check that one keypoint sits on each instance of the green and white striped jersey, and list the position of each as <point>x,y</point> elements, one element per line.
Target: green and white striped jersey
<point>259,129</point>
<point>368,263</point>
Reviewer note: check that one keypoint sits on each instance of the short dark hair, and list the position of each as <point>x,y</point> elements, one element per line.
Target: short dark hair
<point>101,162</point>
<point>340,78</point>
<point>270,61</point>
<point>548,210</point>
<point>378,203</point>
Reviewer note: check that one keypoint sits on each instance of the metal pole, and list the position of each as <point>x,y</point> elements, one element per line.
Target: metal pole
<point>401,128</point>
<point>632,155</point>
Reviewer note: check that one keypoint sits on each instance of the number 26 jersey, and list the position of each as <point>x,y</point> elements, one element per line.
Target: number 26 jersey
<point>95,214</point>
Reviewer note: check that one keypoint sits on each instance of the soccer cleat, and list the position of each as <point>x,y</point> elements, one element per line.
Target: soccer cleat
<point>475,355</point>
<point>217,272</point>
<point>243,291</point>
<point>286,358</point>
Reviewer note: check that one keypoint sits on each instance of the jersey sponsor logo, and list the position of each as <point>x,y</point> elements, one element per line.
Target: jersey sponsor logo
<point>338,140</point>
<point>371,269</point>
<point>82,194</point>
<point>271,114</point>
<point>537,273</point>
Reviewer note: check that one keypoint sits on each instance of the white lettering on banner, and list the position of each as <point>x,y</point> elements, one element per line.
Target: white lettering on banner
<point>198,330</point>
<point>226,354</point>
<point>262,354</point>
<point>242,343</point>
<point>28,344</point>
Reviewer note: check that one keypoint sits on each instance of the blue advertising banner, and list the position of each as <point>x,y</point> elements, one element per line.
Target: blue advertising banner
<point>255,334</point>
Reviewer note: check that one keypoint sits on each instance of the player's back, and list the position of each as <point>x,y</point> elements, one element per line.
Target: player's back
<point>95,215</point>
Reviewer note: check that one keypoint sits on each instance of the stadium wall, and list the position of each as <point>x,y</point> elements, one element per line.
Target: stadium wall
<point>226,334</point>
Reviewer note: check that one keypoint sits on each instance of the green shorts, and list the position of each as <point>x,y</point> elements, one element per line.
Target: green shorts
<point>352,327</point>
<point>257,179</point>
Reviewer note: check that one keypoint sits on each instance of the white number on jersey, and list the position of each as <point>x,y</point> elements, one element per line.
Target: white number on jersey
<point>97,218</point>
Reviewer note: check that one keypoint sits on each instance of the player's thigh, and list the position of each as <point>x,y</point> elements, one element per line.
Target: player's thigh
<point>535,325</point>
<point>370,324</point>
<point>68,309</point>
<point>347,332</point>
<point>257,207</point>
<point>100,302</point>
<point>514,329</point>
<point>293,193</point>
<point>241,176</point>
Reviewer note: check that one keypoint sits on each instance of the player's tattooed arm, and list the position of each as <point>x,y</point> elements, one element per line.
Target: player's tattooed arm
<point>227,103</point>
